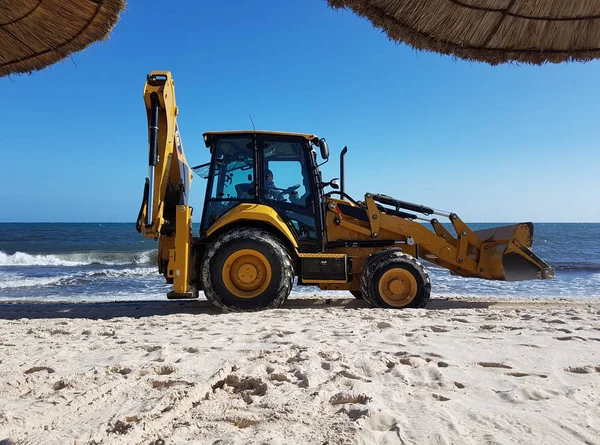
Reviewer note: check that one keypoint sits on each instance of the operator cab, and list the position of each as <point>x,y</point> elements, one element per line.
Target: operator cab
<point>279,170</point>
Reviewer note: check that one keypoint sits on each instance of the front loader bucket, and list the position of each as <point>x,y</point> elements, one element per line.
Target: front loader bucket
<point>509,255</point>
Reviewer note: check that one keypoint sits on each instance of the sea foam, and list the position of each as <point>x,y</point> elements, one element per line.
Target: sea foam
<point>78,259</point>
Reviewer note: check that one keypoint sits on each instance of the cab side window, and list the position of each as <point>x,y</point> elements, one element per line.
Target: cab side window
<point>286,177</point>
<point>233,177</point>
<point>286,185</point>
<point>233,170</point>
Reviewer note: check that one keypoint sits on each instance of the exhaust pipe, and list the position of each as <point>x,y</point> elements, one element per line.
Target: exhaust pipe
<point>152,151</point>
<point>342,170</point>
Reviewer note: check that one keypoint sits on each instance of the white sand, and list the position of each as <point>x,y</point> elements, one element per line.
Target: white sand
<point>472,372</point>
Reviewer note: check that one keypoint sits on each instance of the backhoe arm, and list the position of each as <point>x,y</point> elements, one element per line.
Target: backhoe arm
<point>165,214</point>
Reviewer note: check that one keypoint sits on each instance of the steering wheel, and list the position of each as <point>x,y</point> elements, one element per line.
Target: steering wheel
<point>290,189</point>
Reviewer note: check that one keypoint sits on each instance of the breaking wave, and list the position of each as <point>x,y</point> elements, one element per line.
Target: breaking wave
<point>10,281</point>
<point>79,259</point>
<point>17,282</point>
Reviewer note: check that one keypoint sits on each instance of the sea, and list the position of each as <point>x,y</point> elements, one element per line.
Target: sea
<point>112,262</point>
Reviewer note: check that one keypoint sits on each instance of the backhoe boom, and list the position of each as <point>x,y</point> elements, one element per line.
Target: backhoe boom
<point>165,214</point>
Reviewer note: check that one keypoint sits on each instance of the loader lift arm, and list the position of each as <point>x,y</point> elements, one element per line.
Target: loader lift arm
<point>499,253</point>
<point>165,214</point>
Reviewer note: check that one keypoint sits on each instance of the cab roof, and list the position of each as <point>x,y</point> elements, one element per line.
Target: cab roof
<point>209,135</point>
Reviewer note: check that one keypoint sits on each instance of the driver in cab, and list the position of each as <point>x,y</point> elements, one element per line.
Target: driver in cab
<point>275,193</point>
<point>272,191</point>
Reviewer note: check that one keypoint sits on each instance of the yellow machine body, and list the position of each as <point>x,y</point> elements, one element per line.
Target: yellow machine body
<point>250,213</point>
<point>501,253</point>
<point>248,245</point>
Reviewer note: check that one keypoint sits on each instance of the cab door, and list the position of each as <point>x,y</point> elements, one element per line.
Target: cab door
<point>286,183</point>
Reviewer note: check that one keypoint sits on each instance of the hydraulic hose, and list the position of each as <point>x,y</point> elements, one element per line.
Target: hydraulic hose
<point>152,152</point>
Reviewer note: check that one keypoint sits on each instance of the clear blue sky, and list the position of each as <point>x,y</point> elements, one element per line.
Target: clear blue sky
<point>509,143</point>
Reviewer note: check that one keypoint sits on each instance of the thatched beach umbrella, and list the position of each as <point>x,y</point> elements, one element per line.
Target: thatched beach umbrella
<point>492,31</point>
<point>38,33</point>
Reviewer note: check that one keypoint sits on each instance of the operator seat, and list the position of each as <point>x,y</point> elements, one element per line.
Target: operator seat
<point>245,191</point>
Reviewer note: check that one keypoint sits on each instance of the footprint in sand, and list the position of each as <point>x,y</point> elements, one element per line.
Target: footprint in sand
<point>38,369</point>
<point>539,394</point>
<point>438,329</point>
<point>433,354</point>
<point>279,377</point>
<point>61,384</point>
<point>529,345</point>
<point>414,361</point>
<point>494,365</point>
<point>245,387</point>
<point>164,384</point>
<point>342,398</point>
<point>524,374</point>
<point>383,325</point>
<point>354,413</point>
<point>583,369</point>
<point>302,381</point>
<point>487,327</point>
<point>164,370</point>
<point>119,428</point>
<point>117,369</point>
<point>555,321</point>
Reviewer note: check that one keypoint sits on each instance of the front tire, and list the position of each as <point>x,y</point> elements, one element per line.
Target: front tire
<point>395,280</point>
<point>247,270</point>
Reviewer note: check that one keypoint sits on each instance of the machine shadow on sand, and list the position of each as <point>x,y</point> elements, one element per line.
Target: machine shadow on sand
<point>143,309</point>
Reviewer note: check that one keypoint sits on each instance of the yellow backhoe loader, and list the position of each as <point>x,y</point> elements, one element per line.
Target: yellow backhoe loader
<point>268,219</point>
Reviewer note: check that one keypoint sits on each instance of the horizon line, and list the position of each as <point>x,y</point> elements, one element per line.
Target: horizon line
<point>198,222</point>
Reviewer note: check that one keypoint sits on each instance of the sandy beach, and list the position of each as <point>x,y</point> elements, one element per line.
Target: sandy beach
<point>317,371</point>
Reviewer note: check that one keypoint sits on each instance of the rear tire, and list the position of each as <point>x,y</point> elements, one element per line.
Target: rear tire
<point>247,270</point>
<point>395,280</point>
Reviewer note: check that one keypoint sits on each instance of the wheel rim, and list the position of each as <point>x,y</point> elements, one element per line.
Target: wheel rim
<point>398,287</point>
<point>246,273</point>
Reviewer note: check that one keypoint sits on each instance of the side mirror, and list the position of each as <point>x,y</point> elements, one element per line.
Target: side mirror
<point>334,184</point>
<point>324,148</point>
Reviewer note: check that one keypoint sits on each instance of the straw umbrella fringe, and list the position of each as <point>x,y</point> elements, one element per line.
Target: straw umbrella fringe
<point>492,31</point>
<point>38,33</point>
